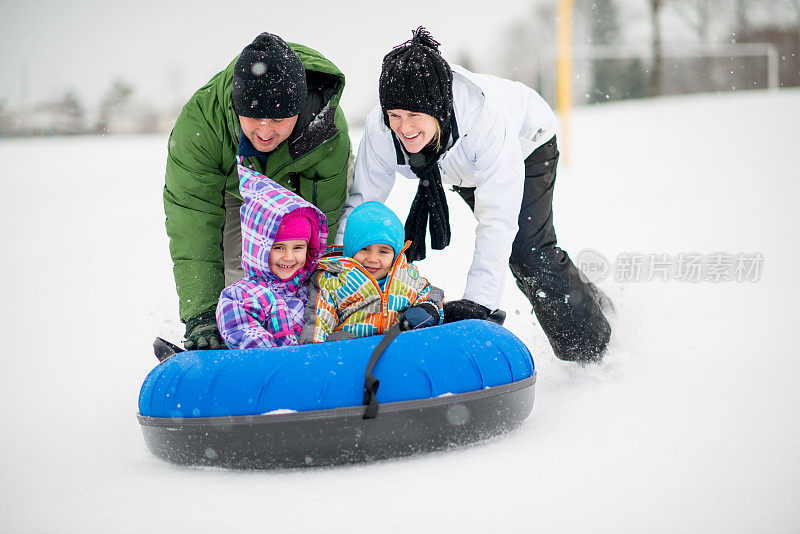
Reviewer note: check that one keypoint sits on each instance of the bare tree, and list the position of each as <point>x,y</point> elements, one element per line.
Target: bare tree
<point>117,95</point>
<point>71,106</point>
<point>71,111</point>
<point>5,120</point>
<point>741,15</point>
<point>655,68</point>
<point>529,50</point>
<point>697,15</point>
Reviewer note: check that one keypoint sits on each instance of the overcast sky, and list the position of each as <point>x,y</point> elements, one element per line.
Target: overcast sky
<point>168,49</point>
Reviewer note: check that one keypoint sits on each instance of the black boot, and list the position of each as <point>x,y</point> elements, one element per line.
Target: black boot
<point>600,297</point>
<point>566,307</point>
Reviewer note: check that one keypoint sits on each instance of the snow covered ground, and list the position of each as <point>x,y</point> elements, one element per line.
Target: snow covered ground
<point>691,424</point>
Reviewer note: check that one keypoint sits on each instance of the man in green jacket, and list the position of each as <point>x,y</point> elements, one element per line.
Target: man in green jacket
<point>277,107</point>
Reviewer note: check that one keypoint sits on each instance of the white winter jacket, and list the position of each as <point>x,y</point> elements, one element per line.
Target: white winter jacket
<point>500,123</point>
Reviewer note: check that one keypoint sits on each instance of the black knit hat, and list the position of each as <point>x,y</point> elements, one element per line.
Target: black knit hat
<point>415,77</point>
<point>269,80</point>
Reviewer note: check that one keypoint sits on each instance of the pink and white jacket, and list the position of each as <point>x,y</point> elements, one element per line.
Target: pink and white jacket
<point>261,310</point>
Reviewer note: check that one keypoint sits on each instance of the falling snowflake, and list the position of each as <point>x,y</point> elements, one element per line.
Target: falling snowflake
<point>259,68</point>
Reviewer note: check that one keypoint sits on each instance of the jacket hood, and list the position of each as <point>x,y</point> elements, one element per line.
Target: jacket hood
<point>265,205</point>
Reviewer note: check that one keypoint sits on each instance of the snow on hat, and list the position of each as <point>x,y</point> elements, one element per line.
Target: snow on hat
<point>415,77</point>
<point>269,80</point>
<point>372,223</point>
<point>294,226</point>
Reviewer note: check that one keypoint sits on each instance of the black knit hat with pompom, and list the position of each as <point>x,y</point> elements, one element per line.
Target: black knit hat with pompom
<point>415,77</point>
<point>269,80</point>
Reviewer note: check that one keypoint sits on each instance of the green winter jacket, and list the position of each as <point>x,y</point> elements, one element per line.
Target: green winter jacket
<point>201,167</point>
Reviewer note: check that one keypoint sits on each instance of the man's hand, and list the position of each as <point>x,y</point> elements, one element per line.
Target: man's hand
<point>459,310</point>
<point>202,333</point>
<point>419,316</point>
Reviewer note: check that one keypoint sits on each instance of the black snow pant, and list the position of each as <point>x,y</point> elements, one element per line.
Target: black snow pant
<point>567,308</point>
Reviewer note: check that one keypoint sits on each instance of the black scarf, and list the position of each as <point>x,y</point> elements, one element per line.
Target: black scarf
<point>429,204</point>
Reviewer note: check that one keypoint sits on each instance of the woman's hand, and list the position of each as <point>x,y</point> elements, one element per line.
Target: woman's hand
<point>459,310</point>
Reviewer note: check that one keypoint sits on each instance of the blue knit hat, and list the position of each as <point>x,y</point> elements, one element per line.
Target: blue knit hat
<point>372,223</point>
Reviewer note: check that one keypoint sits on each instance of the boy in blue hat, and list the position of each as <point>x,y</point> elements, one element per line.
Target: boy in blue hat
<point>371,287</point>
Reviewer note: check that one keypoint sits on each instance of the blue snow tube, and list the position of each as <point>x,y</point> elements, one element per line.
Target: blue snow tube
<point>293,406</point>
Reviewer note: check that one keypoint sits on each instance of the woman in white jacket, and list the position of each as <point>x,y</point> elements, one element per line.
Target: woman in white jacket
<point>494,141</point>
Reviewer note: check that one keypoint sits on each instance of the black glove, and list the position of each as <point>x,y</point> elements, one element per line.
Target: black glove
<point>459,310</point>
<point>419,316</point>
<point>202,333</point>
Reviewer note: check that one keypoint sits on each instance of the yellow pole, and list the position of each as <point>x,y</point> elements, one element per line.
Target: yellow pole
<point>564,72</point>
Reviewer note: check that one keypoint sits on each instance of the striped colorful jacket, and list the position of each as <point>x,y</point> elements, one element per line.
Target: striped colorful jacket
<point>261,310</point>
<point>345,297</point>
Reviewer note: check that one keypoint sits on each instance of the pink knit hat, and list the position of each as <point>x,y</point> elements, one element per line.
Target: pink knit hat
<point>294,226</point>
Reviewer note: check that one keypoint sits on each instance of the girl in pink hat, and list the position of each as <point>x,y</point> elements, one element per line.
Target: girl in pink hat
<point>283,237</point>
